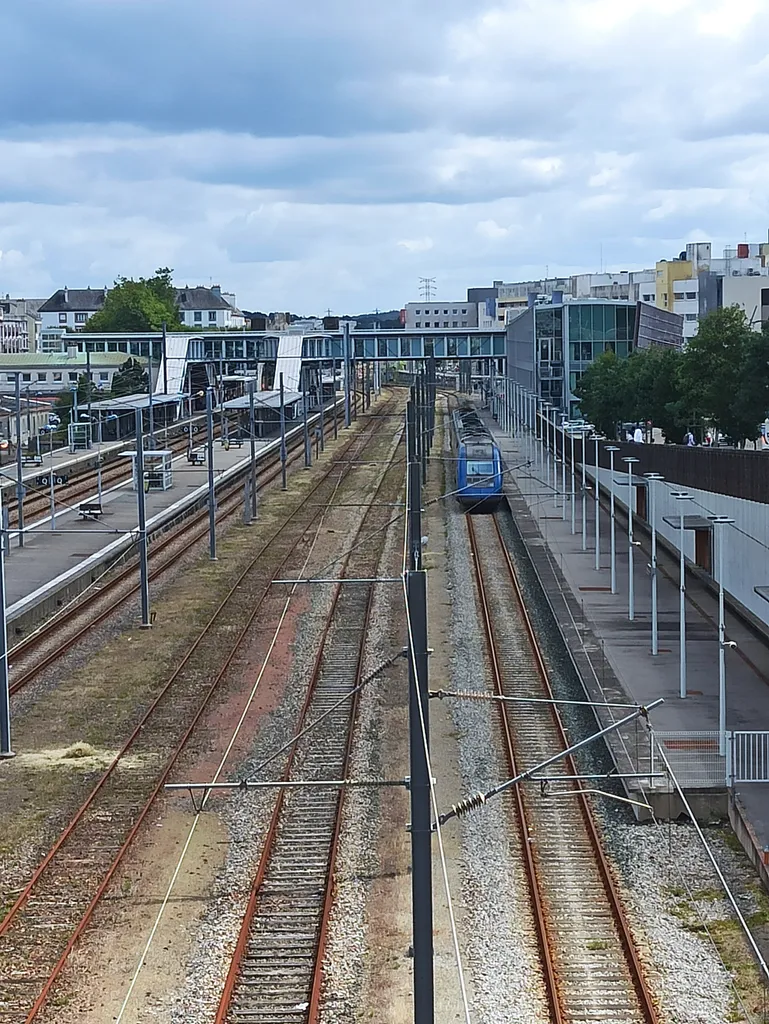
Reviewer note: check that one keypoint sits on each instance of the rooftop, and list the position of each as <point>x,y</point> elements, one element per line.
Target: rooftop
<point>75,300</point>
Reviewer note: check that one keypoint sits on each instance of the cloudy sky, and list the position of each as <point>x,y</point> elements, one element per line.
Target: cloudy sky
<point>327,153</point>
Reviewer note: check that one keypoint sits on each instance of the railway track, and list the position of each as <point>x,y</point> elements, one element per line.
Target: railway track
<point>275,973</point>
<point>589,960</point>
<point>54,908</point>
<point>47,644</point>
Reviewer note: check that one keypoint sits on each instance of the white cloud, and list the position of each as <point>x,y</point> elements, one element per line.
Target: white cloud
<point>408,139</point>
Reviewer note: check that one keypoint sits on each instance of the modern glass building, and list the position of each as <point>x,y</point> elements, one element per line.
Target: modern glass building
<point>550,346</point>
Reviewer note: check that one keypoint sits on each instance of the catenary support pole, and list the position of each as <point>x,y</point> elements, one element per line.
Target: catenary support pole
<point>211,487</point>
<point>252,443</point>
<point>419,789</point>
<point>682,610</point>
<point>19,466</point>
<point>5,703</point>
<point>573,486</point>
<point>306,426</point>
<point>164,353</point>
<point>347,383</point>
<point>583,456</point>
<point>144,575</point>
<point>597,507</point>
<point>283,452</point>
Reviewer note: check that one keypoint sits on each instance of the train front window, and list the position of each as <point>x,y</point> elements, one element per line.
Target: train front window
<point>479,469</point>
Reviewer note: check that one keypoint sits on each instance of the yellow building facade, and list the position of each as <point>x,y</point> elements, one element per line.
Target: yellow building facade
<point>669,271</point>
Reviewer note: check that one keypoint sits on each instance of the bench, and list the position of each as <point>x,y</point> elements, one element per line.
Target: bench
<point>32,460</point>
<point>90,509</point>
<point>197,457</point>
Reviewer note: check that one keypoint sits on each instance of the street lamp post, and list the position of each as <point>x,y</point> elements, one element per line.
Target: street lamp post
<point>583,440</point>
<point>611,449</point>
<point>653,479</point>
<point>721,521</point>
<point>682,496</point>
<point>563,467</point>
<point>573,487</point>
<point>629,461</point>
<point>597,438</point>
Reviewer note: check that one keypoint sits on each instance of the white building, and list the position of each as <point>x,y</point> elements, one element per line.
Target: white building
<point>70,308</point>
<point>436,315</point>
<point>208,309</point>
<point>45,374</point>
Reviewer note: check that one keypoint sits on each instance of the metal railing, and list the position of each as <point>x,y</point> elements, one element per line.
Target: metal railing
<point>748,757</point>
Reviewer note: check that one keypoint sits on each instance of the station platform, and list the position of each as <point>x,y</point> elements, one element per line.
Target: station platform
<point>613,654</point>
<point>52,555</point>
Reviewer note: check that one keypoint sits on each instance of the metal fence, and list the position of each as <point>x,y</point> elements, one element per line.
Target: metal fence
<point>749,757</point>
<point>693,757</point>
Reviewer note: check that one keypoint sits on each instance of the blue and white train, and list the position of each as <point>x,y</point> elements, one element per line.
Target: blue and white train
<point>478,462</point>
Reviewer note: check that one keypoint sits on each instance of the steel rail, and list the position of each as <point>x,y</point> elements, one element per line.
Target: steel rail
<point>140,730</point>
<point>645,1000</point>
<point>45,634</point>
<point>309,1011</point>
<point>540,921</point>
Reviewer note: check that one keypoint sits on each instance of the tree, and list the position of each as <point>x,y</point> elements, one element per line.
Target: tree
<point>751,402</point>
<point>130,379</point>
<point>603,393</point>
<point>711,371</point>
<point>136,306</point>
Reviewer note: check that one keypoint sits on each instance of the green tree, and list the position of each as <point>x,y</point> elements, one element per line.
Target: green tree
<point>130,379</point>
<point>751,402</point>
<point>603,392</point>
<point>136,306</point>
<point>711,371</point>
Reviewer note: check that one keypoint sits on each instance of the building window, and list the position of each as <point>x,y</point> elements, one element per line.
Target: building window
<point>42,376</point>
<point>464,323</point>
<point>455,323</point>
<point>665,298</point>
<point>464,311</point>
<point>445,312</point>
<point>73,377</point>
<point>10,377</point>
<point>62,318</point>
<point>454,312</point>
<point>445,323</point>
<point>212,316</point>
<point>57,376</point>
<point>691,316</point>
<point>198,316</point>
<point>418,312</point>
<point>80,318</point>
<point>419,324</point>
<point>691,295</point>
<point>26,376</point>
<point>103,375</point>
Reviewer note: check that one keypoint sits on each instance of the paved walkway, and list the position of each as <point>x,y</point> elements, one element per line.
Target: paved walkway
<point>47,553</point>
<point>626,644</point>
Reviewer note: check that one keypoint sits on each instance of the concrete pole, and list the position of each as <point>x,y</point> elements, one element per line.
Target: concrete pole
<point>164,344</point>
<point>211,485</point>
<point>144,576</point>
<point>19,467</point>
<point>653,479</point>
<point>306,428</point>
<point>563,472</point>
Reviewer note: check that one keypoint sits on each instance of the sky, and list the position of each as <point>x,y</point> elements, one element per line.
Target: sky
<point>326,154</point>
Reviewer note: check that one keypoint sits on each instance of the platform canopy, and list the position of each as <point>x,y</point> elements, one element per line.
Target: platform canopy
<point>265,399</point>
<point>125,403</point>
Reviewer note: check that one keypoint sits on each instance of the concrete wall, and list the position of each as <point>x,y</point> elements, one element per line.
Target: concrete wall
<point>746,551</point>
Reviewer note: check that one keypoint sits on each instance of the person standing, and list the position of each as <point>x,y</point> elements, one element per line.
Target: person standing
<point>638,435</point>
<point>689,439</point>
